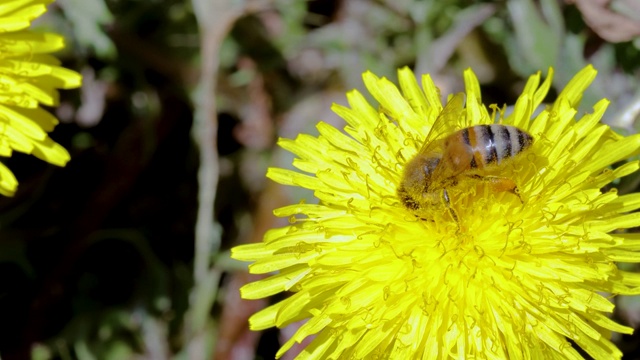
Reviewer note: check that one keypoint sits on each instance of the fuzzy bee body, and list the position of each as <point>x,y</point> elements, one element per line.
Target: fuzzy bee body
<point>479,146</point>
<point>444,161</point>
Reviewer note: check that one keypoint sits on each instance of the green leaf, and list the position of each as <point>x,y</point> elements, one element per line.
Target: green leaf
<point>87,18</point>
<point>536,44</point>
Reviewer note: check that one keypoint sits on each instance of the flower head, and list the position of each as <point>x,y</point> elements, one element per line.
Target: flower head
<point>29,76</point>
<point>514,274</point>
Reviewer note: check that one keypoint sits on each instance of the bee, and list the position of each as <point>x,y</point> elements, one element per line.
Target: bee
<point>445,161</point>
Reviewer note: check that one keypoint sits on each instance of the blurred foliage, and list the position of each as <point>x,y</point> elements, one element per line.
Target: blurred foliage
<point>97,257</point>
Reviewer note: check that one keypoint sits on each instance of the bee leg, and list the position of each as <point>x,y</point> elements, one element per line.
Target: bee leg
<point>500,184</point>
<point>452,211</point>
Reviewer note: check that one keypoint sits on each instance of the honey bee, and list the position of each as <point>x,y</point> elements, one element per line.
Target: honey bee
<point>445,161</point>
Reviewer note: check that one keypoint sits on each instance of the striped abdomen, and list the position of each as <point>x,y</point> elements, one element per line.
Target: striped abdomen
<point>479,146</point>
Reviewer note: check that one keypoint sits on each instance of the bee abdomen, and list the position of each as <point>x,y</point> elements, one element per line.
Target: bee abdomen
<point>492,144</point>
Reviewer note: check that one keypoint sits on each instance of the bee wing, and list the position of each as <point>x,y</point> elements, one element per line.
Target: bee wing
<point>444,124</point>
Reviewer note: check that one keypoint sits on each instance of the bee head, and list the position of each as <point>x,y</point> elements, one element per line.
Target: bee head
<point>416,180</point>
<point>417,173</point>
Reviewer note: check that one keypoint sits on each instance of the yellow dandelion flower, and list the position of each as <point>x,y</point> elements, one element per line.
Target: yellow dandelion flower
<point>29,76</point>
<point>513,275</point>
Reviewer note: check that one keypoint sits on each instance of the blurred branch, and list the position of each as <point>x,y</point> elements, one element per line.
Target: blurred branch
<point>215,19</point>
<point>610,25</point>
<point>205,129</point>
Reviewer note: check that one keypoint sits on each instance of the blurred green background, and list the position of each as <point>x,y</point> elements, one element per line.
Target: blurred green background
<point>181,98</point>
